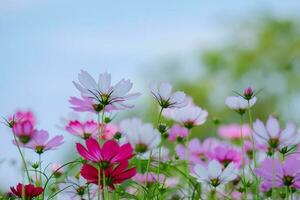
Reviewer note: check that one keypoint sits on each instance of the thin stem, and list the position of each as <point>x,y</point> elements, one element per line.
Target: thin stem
<point>147,169</point>
<point>188,161</point>
<point>88,191</point>
<point>273,177</point>
<point>243,157</point>
<point>23,159</point>
<point>40,165</point>
<point>99,183</point>
<point>159,147</point>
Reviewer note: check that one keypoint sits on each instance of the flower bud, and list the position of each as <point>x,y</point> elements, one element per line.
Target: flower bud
<point>248,93</point>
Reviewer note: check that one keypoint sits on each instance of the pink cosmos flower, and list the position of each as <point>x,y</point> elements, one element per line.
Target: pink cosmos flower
<point>86,104</point>
<point>113,175</point>
<point>226,154</point>
<point>108,132</point>
<point>233,131</point>
<point>57,169</point>
<point>83,130</point>
<point>177,132</point>
<point>40,142</point>
<point>286,173</point>
<point>110,153</point>
<point>24,131</point>
<point>152,178</point>
<point>198,152</point>
<point>104,92</point>
<point>21,116</point>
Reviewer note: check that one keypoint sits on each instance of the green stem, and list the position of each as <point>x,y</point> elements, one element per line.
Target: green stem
<point>159,147</point>
<point>147,169</point>
<point>88,191</point>
<point>188,161</point>
<point>23,159</point>
<point>243,158</point>
<point>273,177</point>
<point>40,166</point>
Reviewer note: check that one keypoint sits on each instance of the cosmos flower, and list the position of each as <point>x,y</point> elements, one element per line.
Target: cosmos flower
<point>239,104</point>
<point>87,104</point>
<point>57,170</point>
<point>83,130</point>
<point>285,174</point>
<point>109,131</point>
<point>142,137</point>
<point>40,142</point>
<point>233,131</point>
<point>214,175</point>
<point>198,151</point>
<point>24,131</point>
<point>190,116</point>
<point>177,133</point>
<point>271,136</point>
<point>165,98</point>
<point>225,155</point>
<point>21,116</point>
<point>110,153</point>
<point>113,175</point>
<point>103,92</point>
<point>31,191</point>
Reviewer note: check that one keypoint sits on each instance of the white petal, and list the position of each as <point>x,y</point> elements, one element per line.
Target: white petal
<point>87,81</point>
<point>260,130</point>
<point>122,88</point>
<point>273,127</point>
<point>200,173</point>
<point>104,82</point>
<point>214,169</point>
<point>165,90</point>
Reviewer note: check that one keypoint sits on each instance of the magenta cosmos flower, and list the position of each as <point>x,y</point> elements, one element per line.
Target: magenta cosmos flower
<point>286,173</point>
<point>233,131</point>
<point>103,92</point>
<point>40,142</point>
<point>30,191</point>
<point>113,175</point>
<point>21,116</point>
<point>177,133</point>
<point>24,131</point>
<point>109,154</point>
<point>226,154</point>
<point>83,130</point>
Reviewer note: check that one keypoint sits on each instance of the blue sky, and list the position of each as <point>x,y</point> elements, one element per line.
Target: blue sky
<point>44,44</point>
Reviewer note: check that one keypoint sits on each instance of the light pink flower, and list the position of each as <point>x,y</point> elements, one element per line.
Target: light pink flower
<point>165,98</point>
<point>287,173</point>
<point>152,178</point>
<point>83,130</point>
<point>40,142</point>
<point>104,92</point>
<point>108,132</point>
<point>177,132</point>
<point>198,152</point>
<point>233,131</point>
<point>86,104</point>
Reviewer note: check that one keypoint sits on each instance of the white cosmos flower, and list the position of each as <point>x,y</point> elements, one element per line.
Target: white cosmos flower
<point>142,136</point>
<point>166,99</point>
<point>214,175</point>
<point>272,136</point>
<point>190,116</point>
<point>103,91</point>
<point>238,103</point>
